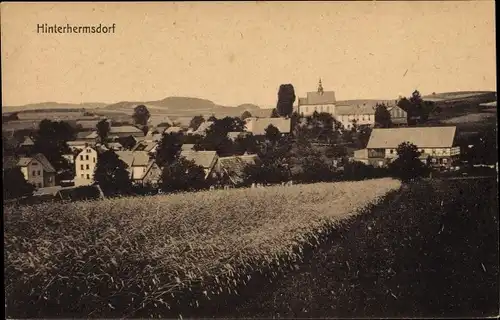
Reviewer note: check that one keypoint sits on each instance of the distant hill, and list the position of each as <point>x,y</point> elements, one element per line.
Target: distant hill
<point>53,106</point>
<point>188,107</point>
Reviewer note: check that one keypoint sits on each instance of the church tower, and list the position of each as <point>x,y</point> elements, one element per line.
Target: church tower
<point>320,87</point>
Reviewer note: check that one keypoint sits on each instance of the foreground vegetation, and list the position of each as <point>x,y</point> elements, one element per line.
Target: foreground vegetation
<point>429,251</point>
<point>144,256</point>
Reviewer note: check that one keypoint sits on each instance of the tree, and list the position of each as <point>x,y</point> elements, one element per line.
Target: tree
<point>382,116</point>
<point>103,129</point>
<point>111,174</point>
<point>196,121</point>
<point>182,175</point>
<point>141,115</point>
<point>216,136</point>
<point>169,148</point>
<point>407,165</point>
<point>272,134</point>
<point>17,185</point>
<point>315,169</point>
<point>127,142</point>
<point>246,114</point>
<point>286,99</point>
<point>247,143</point>
<point>212,118</point>
<point>50,140</point>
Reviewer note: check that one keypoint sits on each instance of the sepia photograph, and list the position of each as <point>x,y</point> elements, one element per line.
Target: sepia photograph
<point>254,159</point>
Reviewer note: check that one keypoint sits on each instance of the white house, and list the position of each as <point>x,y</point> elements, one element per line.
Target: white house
<point>85,164</point>
<point>258,126</point>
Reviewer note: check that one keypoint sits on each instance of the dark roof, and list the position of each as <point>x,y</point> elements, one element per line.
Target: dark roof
<point>234,166</point>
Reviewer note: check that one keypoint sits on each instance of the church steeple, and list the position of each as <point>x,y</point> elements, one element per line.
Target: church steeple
<point>320,87</point>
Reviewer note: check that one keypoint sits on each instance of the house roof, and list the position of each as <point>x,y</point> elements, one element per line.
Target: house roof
<point>77,143</point>
<point>124,129</point>
<point>86,135</point>
<point>234,166</point>
<point>234,135</point>
<point>173,130</point>
<point>147,146</point>
<point>87,124</point>
<point>134,158</point>
<point>201,158</point>
<point>258,126</point>
<point>24,161</point>
<point>187,146</point>
<point>422,137</point>
<point>358,109</point>
<point>315,97</point>
<point>204,126</point>
<point>27,142</point>
<point>115,145</point>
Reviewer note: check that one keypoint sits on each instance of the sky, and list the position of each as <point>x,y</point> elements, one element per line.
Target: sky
<point>240,52</point>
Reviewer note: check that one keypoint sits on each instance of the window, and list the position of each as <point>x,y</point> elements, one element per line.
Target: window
<point>38,172</point>
<point>34,163</point>
<point>445,161</point>
<point>88,167</point>
<point>391,151</point>
<point>433,160</point>
<point>81,167</point>
<point>86,157</point>
<point>93,159</point>
<point>88,176</point>
<point>33,173</point>
<point>81,157</point>
<point>88,151</point>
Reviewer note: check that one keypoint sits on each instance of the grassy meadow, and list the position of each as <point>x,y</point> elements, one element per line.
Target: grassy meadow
<point>144,256</point>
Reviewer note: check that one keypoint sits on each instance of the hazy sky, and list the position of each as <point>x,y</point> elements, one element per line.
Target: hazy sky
<point>234,53</point>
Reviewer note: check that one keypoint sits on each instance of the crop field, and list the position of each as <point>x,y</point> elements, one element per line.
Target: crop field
<point>429,251</point>
<point>163,255</point>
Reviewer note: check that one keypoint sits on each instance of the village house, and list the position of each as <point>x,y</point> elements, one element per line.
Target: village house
<point>125,131</point>
<point>232,169</point>
<point>38,171</point>
<point>205,159</point>
<point>148,146</point>
<point>85,163</point>
<point>137,162</point>
<point>438,144</point>
<point>233,135</point>
<point>258,126</point>
<point>79,144</point>
<point>87,136</point>
<point>173,130</point>
<point>361,114</point>
<point>202,129</point>
<point>319,101</point>
<point>152,176</point>
<point>187,146</point>
<point>26,146</point>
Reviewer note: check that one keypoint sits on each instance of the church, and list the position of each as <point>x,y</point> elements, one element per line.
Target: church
<point>319,101</point>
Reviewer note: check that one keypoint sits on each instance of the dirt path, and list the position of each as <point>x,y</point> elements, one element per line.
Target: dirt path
<point>432,251</point>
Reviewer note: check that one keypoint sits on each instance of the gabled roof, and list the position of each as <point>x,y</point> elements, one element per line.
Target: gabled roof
<point>134,158</point>
<point>315,97</point>
<point>25,161</point>
<point>124,129</point>
<point>77,143</point>
<point>234,166</point>
<point>147,146</point>
<point>205,159</point>
<point>47,191</point>
<point>27,142</point>
<point>204,126</point>
<point>234,135</point>
<point>355,110</point>
<point>489,104</point>
<point>422,137</point>
<point>86,135</point>
<point>173,130</point>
